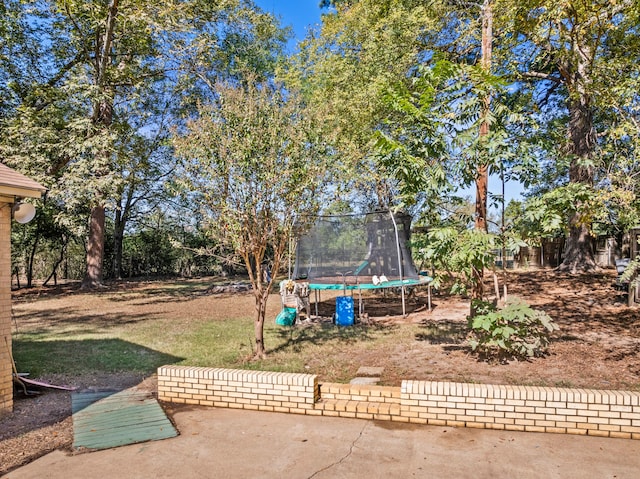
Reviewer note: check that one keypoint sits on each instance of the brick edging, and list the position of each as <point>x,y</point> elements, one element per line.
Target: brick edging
<point>516,408</point>
<point>523,408</point>
<point>237,388</point>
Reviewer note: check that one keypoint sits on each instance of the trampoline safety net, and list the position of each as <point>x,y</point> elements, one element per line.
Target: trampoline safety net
<point>356,249</point>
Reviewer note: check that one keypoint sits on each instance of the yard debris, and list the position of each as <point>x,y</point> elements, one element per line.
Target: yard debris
<point>229,288</point>
<point>22,380</point>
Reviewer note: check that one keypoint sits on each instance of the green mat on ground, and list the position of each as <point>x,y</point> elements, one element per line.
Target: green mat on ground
<point>105,419</point>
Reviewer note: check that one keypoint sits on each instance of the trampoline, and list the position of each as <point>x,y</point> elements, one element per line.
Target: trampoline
<point>358,252</point>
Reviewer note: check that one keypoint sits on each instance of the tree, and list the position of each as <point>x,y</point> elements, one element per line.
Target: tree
<point>85,59</point>
<point>254,161</point>
<point>344,73</point>
<point>482,177</point>
<point>145,164</point>
<point>417,79</point>
<point>572,53</point>
<point>102,118</point>
<point>572,65</point>
<point>77,72</point>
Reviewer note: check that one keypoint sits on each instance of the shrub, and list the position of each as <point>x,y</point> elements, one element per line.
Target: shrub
<point>514,331</point>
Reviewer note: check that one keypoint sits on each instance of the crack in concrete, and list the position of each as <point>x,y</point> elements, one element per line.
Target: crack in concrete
<point>343,458</point>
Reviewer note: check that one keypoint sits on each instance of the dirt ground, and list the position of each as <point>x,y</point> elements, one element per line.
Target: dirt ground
<point>596,347</point>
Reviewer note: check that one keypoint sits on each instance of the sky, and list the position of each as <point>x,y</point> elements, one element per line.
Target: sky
<point>299,14</point>
<point>302,14</point>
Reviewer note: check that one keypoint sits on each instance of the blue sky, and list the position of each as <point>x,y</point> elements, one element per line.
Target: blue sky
<point>300,14</point>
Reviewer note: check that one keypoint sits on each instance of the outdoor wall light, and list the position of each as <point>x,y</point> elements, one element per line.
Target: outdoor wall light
<point>23,212</point>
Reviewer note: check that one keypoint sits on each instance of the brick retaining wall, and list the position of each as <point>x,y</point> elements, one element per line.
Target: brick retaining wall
<point>516,408</point>
<point>523,408</point>
<point>236,388</point>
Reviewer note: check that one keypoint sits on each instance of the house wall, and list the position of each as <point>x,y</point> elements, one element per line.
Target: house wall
<point>6,381</point>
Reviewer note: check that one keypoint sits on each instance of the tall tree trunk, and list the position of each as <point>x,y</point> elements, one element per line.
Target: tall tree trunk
<point>102,119</point>
<point>482,177</point>
<point>63,250</point>
<point>579,253</point>
<point>95,240</point>
<point>32,257</point>
<point>95,249</point>
<point>118,236</point>
<point>482,174</point>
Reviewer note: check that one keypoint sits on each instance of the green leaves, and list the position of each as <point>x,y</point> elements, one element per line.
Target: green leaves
<point>253,160</point>
<point>344,73</point>
<point>631,273</point>
<point>456,255</point>
<point>89,92</point>
<point>548,215</point>
<point>514,331</point>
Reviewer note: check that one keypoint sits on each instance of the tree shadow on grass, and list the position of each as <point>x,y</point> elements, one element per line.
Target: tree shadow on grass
<point>443,332</point>
<point>71,321</point>
<point>158,290</point>
<point>295,338</point>
<point>86,356</point>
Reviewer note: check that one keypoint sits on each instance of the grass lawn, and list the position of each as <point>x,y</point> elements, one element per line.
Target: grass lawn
<point>138,327</point>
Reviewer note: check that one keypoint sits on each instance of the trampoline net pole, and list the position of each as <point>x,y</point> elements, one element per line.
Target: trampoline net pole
<point>395,229</point>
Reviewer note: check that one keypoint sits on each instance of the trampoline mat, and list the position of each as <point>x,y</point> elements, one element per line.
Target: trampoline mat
<point>396,283</point>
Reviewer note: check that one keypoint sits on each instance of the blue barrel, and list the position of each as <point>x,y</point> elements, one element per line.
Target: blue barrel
<point>344,311</point>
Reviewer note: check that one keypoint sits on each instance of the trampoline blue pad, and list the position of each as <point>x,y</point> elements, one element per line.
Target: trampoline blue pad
<point>396,283</point>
